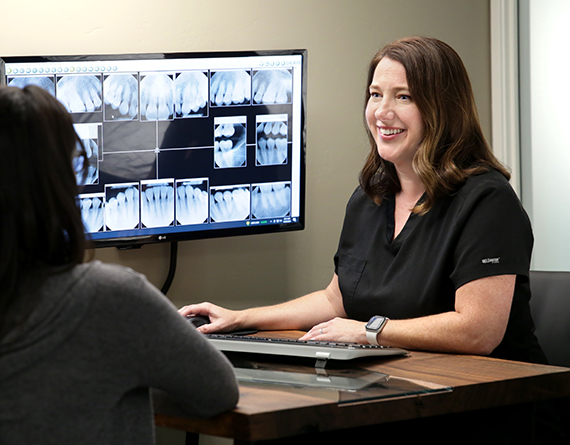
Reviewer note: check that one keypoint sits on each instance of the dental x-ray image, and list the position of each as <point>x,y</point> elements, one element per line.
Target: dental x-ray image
<point>191,201</point>
<point>230,203</point>
<point>121,96</point>
<point>230,88</point>
<point>92,153</point>
<point>230,142</point>
<point>272,200</point>
<point>122,206</point>
<point>90,135</point>
<point>271,147</point>
<point>191,94</point>
<point>80,93</point>
<point>92,211</point>
<point>45,82</point>
<point>157,203</point>
<point>272,86</point>
<point>157,96</point>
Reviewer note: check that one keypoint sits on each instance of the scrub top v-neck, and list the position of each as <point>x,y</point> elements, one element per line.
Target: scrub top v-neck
<point>396,242</point>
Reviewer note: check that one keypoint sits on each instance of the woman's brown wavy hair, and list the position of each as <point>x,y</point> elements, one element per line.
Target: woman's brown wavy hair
<point>453,147</point>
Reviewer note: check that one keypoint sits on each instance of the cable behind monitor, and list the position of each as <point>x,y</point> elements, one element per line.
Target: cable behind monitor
<point>172,269</point>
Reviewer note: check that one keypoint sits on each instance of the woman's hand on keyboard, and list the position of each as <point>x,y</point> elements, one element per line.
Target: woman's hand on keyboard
<point>339,330</point>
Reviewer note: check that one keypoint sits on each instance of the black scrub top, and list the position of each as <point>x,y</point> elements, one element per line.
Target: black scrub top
<point>481,230</point>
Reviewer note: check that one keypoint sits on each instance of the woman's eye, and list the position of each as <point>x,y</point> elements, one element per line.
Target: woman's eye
<point>405,97</point>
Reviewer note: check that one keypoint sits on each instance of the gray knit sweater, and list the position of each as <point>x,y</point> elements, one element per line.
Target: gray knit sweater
<point>99,339</point>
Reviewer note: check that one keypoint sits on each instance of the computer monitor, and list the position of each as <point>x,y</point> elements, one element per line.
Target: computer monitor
<point>182,145</point>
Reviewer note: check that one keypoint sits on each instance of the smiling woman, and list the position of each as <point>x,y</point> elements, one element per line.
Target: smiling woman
<point>433,205</point>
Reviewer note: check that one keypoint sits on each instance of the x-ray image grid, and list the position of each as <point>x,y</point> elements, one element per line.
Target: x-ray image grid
<point>178,144</point>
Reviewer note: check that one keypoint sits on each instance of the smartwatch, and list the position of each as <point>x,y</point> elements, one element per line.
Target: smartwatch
<point>374,327</point>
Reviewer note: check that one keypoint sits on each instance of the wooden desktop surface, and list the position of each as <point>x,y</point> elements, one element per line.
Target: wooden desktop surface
<point>267,412</point>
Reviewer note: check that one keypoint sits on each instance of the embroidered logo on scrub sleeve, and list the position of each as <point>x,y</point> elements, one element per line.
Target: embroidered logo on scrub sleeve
<point>491,260</point>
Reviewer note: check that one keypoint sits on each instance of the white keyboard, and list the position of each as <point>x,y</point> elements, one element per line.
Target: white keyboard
<point>319,350</point>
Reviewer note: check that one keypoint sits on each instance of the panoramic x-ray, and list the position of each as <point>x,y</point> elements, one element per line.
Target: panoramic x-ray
<point>230,142</point>
<point>271,148</point>
<point>122,206</point>
<point>121,96</point>
<point>45,82</point>
<point>271,200</point>
<point>157,96</point>
<point>80,93</point>
<point>191,201</point>
<point>92,211</point>
<point>229,203</point>
<point>230,88</point>
<point>191,94</point>
<point>272,86</point>
<point>157,203</point>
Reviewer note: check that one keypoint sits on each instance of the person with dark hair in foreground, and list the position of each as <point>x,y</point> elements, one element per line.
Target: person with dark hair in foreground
<point>435,249</point>
<point>81,344</point>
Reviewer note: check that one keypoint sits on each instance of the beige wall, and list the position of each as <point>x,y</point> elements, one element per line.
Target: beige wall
<point>340,35</point>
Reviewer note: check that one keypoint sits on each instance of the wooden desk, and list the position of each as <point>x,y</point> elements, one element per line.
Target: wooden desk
<point>266,412</point>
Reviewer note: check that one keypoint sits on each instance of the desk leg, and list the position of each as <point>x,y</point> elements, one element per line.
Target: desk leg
<point>192,438</point>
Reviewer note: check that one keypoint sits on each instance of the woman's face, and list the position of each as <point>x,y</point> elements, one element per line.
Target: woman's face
<point>392,116</point>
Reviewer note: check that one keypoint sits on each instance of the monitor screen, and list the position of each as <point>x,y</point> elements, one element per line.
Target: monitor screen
<point>182,146</point>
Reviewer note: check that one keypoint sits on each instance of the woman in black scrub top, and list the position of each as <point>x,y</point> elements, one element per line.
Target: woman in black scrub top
<point>435,248</point>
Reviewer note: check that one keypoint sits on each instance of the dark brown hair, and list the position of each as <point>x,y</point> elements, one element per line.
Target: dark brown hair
<point>40,225</point>
<point>453,147</point>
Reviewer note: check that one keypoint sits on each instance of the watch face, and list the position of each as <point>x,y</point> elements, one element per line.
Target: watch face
<point>375,323</point>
